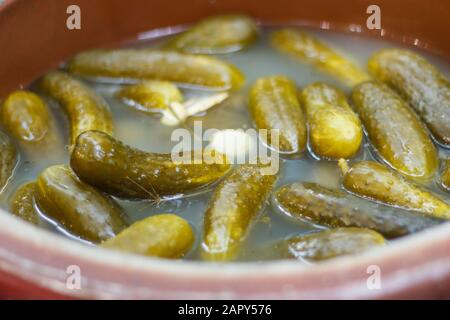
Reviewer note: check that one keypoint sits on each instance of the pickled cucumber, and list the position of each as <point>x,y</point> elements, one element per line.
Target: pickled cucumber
<point>219,34</point>
<point>311,50</point>
<point>162,235</point>
<point>421,84</point>
<point>151,96</point>
<point>274,105</point>
<point>25,116</point>
<point>8,159</point>
<point>375,181</point>
<point>85,108</point>
<point>78,207</point>
<point>22,203</point>
<point>445,175</point>
<point>334,129</point>
<point>129,173</point>
<point>187,69</point>
<point>232,210</point>
<point>329,244</point>
<point>395,131</point>
<point>332,208</point>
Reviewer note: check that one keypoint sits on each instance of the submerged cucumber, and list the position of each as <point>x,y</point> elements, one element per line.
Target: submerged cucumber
<point>232,210</point>
<point>333,208</point>
<point>122,171</point>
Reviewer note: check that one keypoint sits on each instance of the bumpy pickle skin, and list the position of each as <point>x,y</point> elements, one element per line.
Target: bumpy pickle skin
<point>215,35</point>
<point>25,116</point>
<point>22,203</point>
<point>85,108</point>
<point>310,50</point>
<point>128,173</point>
<point>274,104</point>
<point>333,208</point>
<point>334,243</point>
<point>445,175</point>
<point>162,235</point>
<point>420,83</point>
<point>232,210</point>
<point>395,131</point>
<point>187,69</point>
<point>8,159</point>
<point>78,207</point>
<point>150,96</point>
<point>377,182</point>
<point>334,129</point>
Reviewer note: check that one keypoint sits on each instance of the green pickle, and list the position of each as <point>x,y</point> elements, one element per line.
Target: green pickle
<point>151,96</point>
<point>122,171</point>
<point>215,35</point>
<point>333,208</point>
<point>395,131</point>
<point>334,129</point>
<point>421,84</point>
<point>86,109</point>
<point>316,247</point>
<point>377,182</point>
<point>81,209</point>
<point>162,235</point>
<point>273,105</point>
<point>22,203</point>
<point>25,116</point>
<point>310,50</point>
<point>187,69</point>
<point>232,210</point>
<point>445,175</point>
<point>8,159</point>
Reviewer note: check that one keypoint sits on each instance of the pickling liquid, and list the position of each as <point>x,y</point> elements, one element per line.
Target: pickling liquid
<point>148,133</point>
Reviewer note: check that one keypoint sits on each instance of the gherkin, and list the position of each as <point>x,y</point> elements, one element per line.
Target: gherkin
<point>375,181</point>
<point>310,50</point>
<point>218,34</point>
<point>274,105</point>
<point>149,64</point>
<point>395,131</point>
<point>125,172</point>
<point>420,83</point>
<point>232,210</point>
<point>333,208</point>
<point>162,235</point>
<point>334,129</point>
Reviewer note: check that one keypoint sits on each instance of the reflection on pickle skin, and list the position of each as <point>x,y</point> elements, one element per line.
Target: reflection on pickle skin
<point>232,210</point>
<point>395,131</point>
<point>129,173</point>
<point>334,129</point>
<point>333,208</point>
<point>421,84</point>
<point>445,175</point>
<point>274,105</point>
<point>216,35</point>
<point>150,96</point>
<point>162,235</point>
<point>22,203</point>
<point>86,109</point>
<point>9,157</point>
<point>310,50</point>
<point>194,70</point>
<point>25,116</point>
<point>377,182</point>
<point>316,247</point>
<point>79,208</point>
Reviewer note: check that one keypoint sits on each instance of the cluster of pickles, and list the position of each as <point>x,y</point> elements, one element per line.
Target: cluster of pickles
<point>402,106</point>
